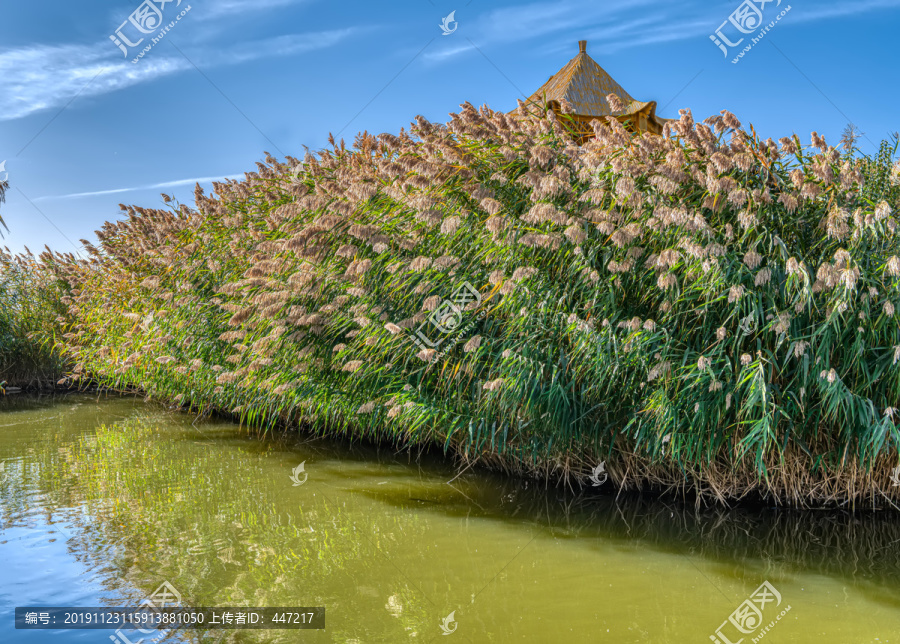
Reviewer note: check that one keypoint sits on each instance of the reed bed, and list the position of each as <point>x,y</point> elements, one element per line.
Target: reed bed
<point>30,317</point>
<point>703,310</point>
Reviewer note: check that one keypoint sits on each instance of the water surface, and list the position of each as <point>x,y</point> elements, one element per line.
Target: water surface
<point>103,499</point>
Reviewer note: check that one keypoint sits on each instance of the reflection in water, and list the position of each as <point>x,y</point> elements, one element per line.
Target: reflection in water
<point>102,500</point>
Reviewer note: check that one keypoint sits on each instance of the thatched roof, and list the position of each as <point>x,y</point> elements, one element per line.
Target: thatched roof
<point>585,85</point>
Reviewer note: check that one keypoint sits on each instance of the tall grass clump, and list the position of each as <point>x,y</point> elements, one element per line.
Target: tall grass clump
<point>30,316</point>
<point>29,308</point>
<point>702,310</point>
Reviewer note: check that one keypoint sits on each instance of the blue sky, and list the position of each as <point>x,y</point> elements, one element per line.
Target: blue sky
<point>82,128</point>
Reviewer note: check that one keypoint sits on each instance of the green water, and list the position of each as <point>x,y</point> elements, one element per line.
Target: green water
<point>102,500</point>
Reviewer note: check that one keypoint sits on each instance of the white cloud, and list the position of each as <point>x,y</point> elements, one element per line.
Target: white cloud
<point>155,186</point>
<point>47,76</point>
<point>541,19</point>
<point>42,77</point>
<point>219,8</point>
<point>448,52</point>
<point>613,27</point>
<point>824,11</point>
<point>277,46</point>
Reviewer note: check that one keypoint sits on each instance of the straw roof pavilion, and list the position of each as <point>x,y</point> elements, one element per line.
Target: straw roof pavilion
<point>585,86</point>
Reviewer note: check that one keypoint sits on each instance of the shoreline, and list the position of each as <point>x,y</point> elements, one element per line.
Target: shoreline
<point>793,488</point>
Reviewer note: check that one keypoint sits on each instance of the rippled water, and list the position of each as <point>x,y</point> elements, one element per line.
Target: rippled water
<point>102,500</point>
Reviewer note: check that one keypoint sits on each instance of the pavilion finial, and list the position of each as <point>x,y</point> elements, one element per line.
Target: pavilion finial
<point>582,46</point>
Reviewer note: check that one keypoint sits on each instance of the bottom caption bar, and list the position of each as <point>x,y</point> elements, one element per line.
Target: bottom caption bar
<point>153,619</point>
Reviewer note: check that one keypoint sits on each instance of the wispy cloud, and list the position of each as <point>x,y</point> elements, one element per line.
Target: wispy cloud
<point>154,186</point>
<point>219,8</point>
<point>277,46</point>
<point>827,10</point>
<point>540,20</point>
<point>448,52</point>
<point>612,27</point>
<point>42,77</point>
